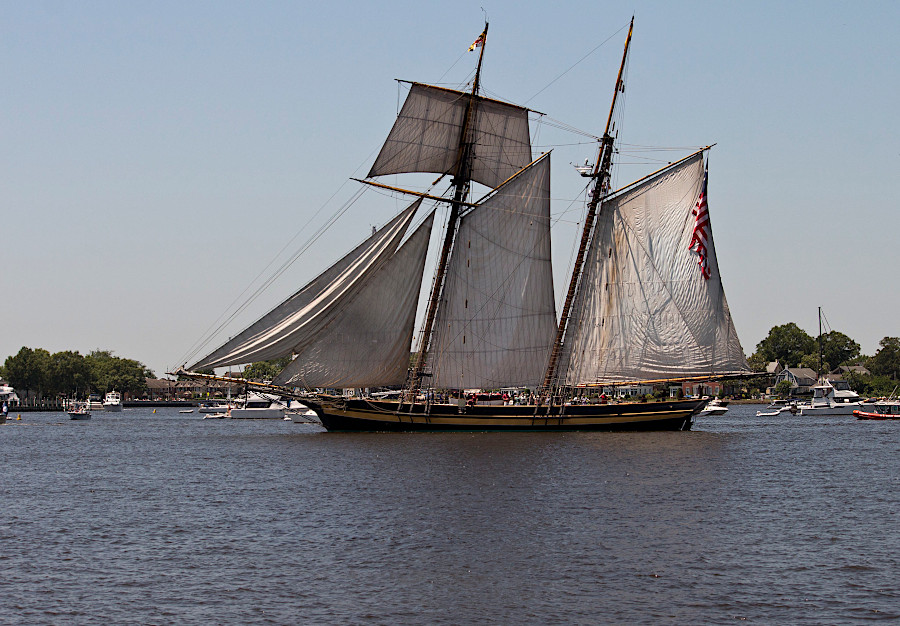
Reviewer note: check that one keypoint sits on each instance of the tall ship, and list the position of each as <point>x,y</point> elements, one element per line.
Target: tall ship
<point>644,300</point>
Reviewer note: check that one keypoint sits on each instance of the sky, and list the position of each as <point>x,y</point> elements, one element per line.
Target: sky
<point>160,159</point>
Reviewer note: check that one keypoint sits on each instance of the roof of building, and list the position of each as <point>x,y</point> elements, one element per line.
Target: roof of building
<point>160,383</point>
<point>844,369</point>
<point>802,372</point>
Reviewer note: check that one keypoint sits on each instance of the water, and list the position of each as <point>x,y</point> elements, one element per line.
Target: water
<point>167,518</point>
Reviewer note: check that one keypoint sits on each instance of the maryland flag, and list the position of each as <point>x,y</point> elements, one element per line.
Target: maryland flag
<point>480,41</point>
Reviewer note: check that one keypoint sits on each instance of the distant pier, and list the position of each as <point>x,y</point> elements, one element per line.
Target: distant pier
<point>50,407</point>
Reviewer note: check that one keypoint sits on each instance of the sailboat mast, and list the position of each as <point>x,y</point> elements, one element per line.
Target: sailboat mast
<point>461,182</point>
<point>819,372</point>
<point>601,176</point>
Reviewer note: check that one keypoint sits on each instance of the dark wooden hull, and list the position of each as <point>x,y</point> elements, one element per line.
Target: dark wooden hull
<point>338,414</point>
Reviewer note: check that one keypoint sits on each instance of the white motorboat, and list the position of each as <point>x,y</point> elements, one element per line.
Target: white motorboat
<point>779,406</point>
<point>7,395</point>
<point>214,407</point>
<point>832,398</point>
<point>258,406</point>
<point>112,401</point>
<point>304,416</point>
<point>78,410</point>
<point>715,407</point>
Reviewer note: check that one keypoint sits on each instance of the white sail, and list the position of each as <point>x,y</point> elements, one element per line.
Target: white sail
<point>644,309</point>
<point>291,326</point>
<point>369,344</point>
<point>426,136</point>
<point>497,317</point>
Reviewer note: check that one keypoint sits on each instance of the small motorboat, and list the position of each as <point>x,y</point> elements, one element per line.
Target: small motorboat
<point>884,410</point>
<point>78,411</point>
<point>715,407</point>
<point>213,407</point>
<point>779,406</point>
<point>186,411</point>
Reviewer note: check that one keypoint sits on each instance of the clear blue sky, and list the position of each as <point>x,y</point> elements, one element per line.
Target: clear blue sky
<point>157,156</point>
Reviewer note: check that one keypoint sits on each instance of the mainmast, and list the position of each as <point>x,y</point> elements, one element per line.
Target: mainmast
<point>601,175</point>
<point>461,182</point>
<point>819,369</point>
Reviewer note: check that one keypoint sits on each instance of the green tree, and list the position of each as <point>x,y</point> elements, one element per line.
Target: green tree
<point>886,361</point>
<point>787,344</point>
<point>112,373</point>
<point>783,388</point>
<point>68,374</point>
<point>756,362</point>
<point>838,349</point>
<point>868,385</point>
<point>29,370</point>
<point>812,362</point>
<point>265,370</point>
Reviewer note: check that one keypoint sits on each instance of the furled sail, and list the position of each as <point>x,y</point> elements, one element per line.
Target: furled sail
<point>292,325</point>
<point>426,136</point>
<point>368,344</point>
<point>497,317</point>
<point>644,309</point>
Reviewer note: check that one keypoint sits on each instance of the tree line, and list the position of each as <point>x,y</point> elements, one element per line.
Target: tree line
<point>791,346</point>
<point>71,374</point>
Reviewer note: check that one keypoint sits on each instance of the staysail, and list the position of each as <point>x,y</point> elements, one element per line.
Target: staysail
<point>497,317</point>
<point>426,136</point>
<point>369,343</point>
<point>291,326</point>
<point>645,310</point>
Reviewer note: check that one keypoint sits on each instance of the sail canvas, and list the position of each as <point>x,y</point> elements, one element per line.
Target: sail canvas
<point>368,343</point>
<point>645,310</point>
<point>497,317</point>
<point>292,325</point>
<point>426,136</point>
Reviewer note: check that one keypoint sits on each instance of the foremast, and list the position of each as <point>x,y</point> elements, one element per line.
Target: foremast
<point>601,188</point>
<point>461,182</point>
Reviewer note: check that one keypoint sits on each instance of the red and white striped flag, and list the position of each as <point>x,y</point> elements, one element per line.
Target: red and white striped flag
<point>700,238</point>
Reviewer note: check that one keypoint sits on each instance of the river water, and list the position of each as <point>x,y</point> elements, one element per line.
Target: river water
<point>163,517</point>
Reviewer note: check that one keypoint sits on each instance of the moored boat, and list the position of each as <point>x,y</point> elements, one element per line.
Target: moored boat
<point>776,407</point>
<point>258,406</point>
<point>112,401</point>
<point>882,410</point>
<point>832,398</point>
<point>715,407</point>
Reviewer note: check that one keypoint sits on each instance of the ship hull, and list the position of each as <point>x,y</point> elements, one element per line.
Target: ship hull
<point>364,415</point>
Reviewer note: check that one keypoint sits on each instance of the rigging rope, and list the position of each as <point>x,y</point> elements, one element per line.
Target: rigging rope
<point>220,322</point>
<point>579,61</point>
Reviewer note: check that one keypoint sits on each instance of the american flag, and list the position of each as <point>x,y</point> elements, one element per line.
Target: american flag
<point>700,238</point>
